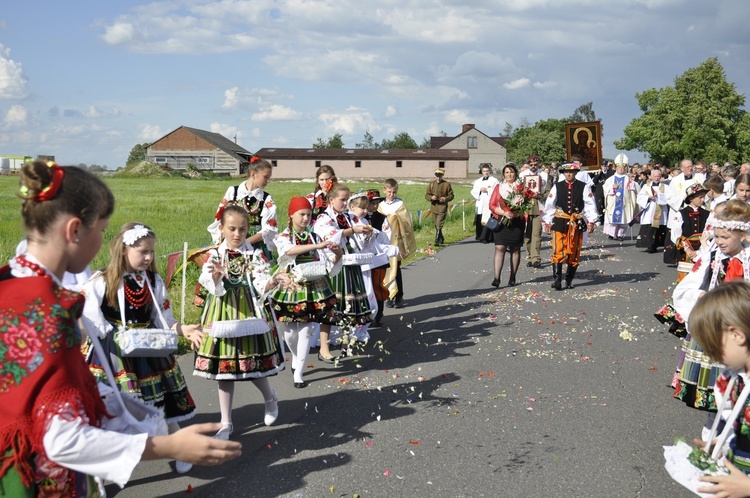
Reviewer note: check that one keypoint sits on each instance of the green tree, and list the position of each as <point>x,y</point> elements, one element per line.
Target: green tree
<point>700,117</point>
<point>545,139</point>
<point>400,141</point>
<point>368,142</point>
<point>334,142</point>
<point>137,154</point>
<point>585,113</point>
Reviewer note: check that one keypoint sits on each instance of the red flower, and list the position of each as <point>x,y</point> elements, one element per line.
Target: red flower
<point>23,342</point>
<point>166,304</point>
<point>269,204</point>
<point>272,222</point>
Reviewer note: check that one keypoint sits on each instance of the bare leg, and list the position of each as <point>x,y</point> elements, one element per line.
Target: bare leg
<point>325,334</point>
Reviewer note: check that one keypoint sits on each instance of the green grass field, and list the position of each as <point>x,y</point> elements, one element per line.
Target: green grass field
<point>179,210</point>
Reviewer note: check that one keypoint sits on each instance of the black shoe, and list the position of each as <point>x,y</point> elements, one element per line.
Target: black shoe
<point>651,251</point>
<point>389,303</point>
<point>300,385</point>
<point>512,281</point>
<point>378,322</point>
<point>399,303</point>
<point>611,238</point>
<point>495,283</point>
<point>529,264</point>
<point>330,360</point>
<point>537,264</point>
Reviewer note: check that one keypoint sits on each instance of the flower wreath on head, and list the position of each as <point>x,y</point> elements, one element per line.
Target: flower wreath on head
<point>359,194</point>
<point>132,235</point>
<point>732,225</point>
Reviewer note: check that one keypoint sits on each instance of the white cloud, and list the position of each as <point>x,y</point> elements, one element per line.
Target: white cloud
<point>276,112</point>
<point>457,116</point>
<point>542,85</point>
<point>17,115</point>
<point>390,111</point>
<point>150,133</point>
<point>230,97</point>
<point>12,78</point>
<point>517,84</point>
<point>119,33</point>
<point>354,120</point>
<point>227,131</point>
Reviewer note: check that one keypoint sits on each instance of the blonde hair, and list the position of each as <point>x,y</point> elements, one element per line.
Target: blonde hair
<point>339,187</point>
<point>360,202</point>
<point>718,309</point>
<point>115,269</point>
<point>734,210</point>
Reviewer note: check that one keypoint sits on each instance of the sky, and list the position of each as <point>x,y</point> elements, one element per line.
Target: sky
<point>87,80</point>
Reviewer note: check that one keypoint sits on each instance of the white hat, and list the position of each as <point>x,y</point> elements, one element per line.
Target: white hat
<point>621,159</point>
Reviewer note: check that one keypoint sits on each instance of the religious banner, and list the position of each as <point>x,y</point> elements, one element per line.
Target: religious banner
<point>585,140</point>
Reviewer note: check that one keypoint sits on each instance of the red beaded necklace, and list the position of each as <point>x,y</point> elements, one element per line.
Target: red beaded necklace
<point>136,298</point>
<point>21,260</point>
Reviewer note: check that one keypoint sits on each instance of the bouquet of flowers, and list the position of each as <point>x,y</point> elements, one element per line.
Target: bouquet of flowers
<point>519,200</point>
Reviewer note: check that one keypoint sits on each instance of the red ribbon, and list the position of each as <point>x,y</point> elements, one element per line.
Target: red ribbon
<point>51,191</point>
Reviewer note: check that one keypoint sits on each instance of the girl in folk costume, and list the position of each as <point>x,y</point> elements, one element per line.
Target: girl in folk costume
<point>728,260</point>
<point>325,178</point>
<point>260,207</point>
<point>338,227</point>
<point>129,292</point>
<point>50,437</point>
<point>719,322</point>
<point>508,234</point>
<point>375,243</point>
<point>620,200</point>
<point>742,188</point>
<point>242,343</point>
<point>301,308</point>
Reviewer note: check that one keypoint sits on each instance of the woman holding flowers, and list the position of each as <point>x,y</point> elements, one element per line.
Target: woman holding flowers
<point>509,204</point>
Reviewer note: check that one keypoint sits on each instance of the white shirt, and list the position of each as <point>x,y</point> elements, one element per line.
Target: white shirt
<point>483,198</point>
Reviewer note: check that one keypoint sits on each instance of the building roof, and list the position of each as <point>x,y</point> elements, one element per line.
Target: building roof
<point>438,142</point>
<point>271,153</point>
<point>217,140</point>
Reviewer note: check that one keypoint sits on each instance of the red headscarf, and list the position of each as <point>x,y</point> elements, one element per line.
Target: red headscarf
<point>297,203</point>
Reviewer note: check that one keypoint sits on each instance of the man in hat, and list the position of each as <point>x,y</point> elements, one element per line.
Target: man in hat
<point>533,235</point>
<point>481,191</point>
<point>620,193</point>
<point>439,193</point>
<point>568,212</point>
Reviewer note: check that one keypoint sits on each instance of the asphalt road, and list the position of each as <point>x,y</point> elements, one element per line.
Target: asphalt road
<point>471,391</point>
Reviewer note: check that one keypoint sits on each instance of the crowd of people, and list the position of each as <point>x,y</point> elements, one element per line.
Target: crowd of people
<point>70,358</point>
<point>699,216</point>
<point>324,278</point>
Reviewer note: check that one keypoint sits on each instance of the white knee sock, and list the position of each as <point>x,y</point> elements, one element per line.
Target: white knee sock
<point>226,393</point>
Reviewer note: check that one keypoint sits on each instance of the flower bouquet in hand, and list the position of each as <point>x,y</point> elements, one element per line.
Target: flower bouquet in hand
<point>519,200</point>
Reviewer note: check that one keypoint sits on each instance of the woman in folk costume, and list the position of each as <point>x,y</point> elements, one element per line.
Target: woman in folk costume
<point>242,343</point>
<point>620,193</point>
<point>51,438</point>
<point>325,178</point>
<point>569,211</point>
<point>260,207</point>
<point>300,309</point>
<point>727,260</point>
<point>338,227</point>
<point>129,292</point>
